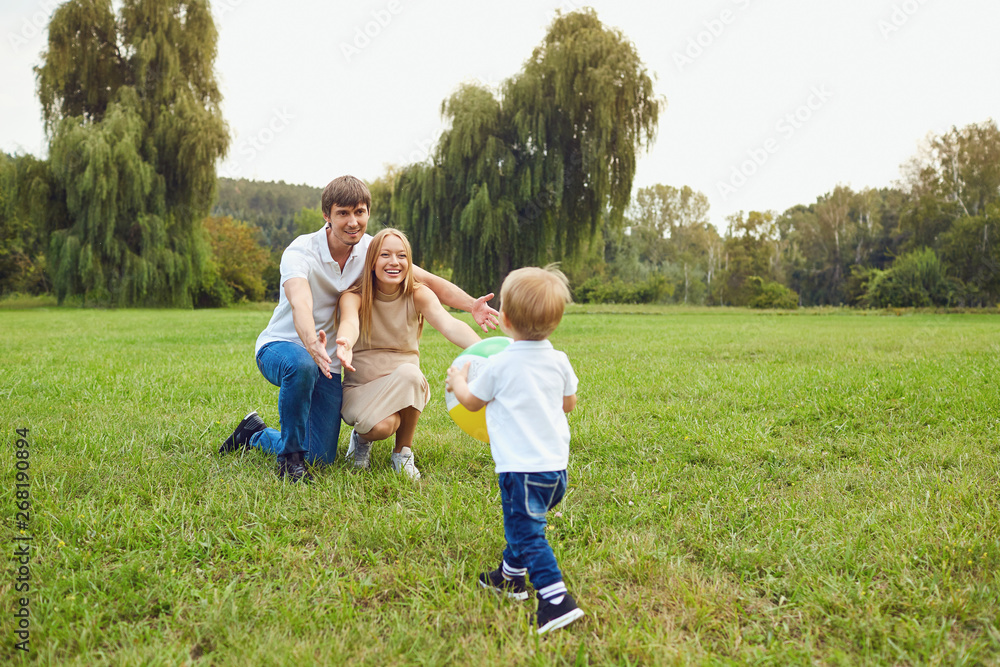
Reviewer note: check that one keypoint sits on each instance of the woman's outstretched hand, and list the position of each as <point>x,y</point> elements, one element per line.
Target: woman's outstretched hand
<point>344,353</point>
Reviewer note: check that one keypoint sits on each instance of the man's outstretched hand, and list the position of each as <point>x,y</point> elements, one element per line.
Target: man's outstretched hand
<point>317,350</point>
<point>484,315</point>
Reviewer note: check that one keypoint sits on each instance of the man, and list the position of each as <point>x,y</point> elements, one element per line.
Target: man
<point>294,351</point>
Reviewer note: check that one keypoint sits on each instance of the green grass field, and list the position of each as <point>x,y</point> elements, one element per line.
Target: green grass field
<point>745,488</point>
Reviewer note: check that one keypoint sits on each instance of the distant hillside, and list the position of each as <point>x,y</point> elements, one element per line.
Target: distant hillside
<point>267,205</point>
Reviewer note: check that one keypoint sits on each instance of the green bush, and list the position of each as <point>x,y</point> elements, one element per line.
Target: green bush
<point>971,251</point>
<point>916,279</point>
<point>600,290</point>
<point>213,291</point>
<point>239,259</point>
<point>20,273</point>
<point>769,294</point>
<point>857,283</point>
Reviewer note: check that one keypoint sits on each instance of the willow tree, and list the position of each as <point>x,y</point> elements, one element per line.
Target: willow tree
<point>131,109</point>
<point>530,175</point>
<point>24,194</point>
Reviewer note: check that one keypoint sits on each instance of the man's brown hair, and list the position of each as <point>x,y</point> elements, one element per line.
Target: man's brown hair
<point>346,191</point>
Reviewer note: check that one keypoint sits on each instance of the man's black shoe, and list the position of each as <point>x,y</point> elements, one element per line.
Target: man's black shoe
<point>293,466</point>
<point>240,439</point>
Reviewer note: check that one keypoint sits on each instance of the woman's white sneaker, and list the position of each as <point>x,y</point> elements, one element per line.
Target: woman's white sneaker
<point>402,462</point>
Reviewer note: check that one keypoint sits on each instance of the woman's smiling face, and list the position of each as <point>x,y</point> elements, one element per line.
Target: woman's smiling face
<point>392,264</point>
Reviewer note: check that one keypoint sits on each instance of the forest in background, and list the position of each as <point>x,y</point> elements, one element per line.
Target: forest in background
<point>931,241</point>
<point>127,209</point>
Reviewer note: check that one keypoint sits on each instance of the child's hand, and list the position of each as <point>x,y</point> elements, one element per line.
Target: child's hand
<point>457,383</point>
<point>456,375</point>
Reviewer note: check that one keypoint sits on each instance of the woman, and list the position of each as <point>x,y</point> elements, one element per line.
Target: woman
<point>380,322</point>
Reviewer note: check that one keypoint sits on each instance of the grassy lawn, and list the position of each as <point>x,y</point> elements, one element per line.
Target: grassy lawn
<point>745,488</point>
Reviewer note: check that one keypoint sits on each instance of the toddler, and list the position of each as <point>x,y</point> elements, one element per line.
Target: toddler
<point>527,389</point>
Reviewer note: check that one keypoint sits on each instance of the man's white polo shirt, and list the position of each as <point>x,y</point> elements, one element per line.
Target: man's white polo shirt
<point>308,256</point>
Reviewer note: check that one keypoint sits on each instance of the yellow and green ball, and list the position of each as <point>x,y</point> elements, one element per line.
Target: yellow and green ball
<point>474,423</point>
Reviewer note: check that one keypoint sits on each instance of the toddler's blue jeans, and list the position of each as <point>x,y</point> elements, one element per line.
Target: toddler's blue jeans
<point>308,404</point>
<point>526,498</point>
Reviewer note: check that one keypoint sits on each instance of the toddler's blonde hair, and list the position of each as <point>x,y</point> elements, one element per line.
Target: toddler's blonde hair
<point>533,299</point>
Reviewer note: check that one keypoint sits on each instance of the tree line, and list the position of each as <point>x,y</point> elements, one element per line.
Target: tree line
<point>127,209</point>
<point>932,240</point>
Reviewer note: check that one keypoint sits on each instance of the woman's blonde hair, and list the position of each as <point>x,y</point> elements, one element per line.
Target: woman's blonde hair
<point>365,287</point>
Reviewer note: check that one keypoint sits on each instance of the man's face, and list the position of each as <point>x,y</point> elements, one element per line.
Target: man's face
<point>348,224</point>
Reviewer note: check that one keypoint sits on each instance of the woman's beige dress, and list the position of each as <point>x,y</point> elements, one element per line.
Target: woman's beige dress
<point>388,376</point>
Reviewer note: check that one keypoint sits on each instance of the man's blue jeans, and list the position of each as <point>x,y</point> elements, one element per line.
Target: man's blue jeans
<point>308,404</point>
<point>526,497</point>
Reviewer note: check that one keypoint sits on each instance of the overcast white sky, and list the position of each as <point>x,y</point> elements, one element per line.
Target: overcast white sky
<point>817,93</point>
